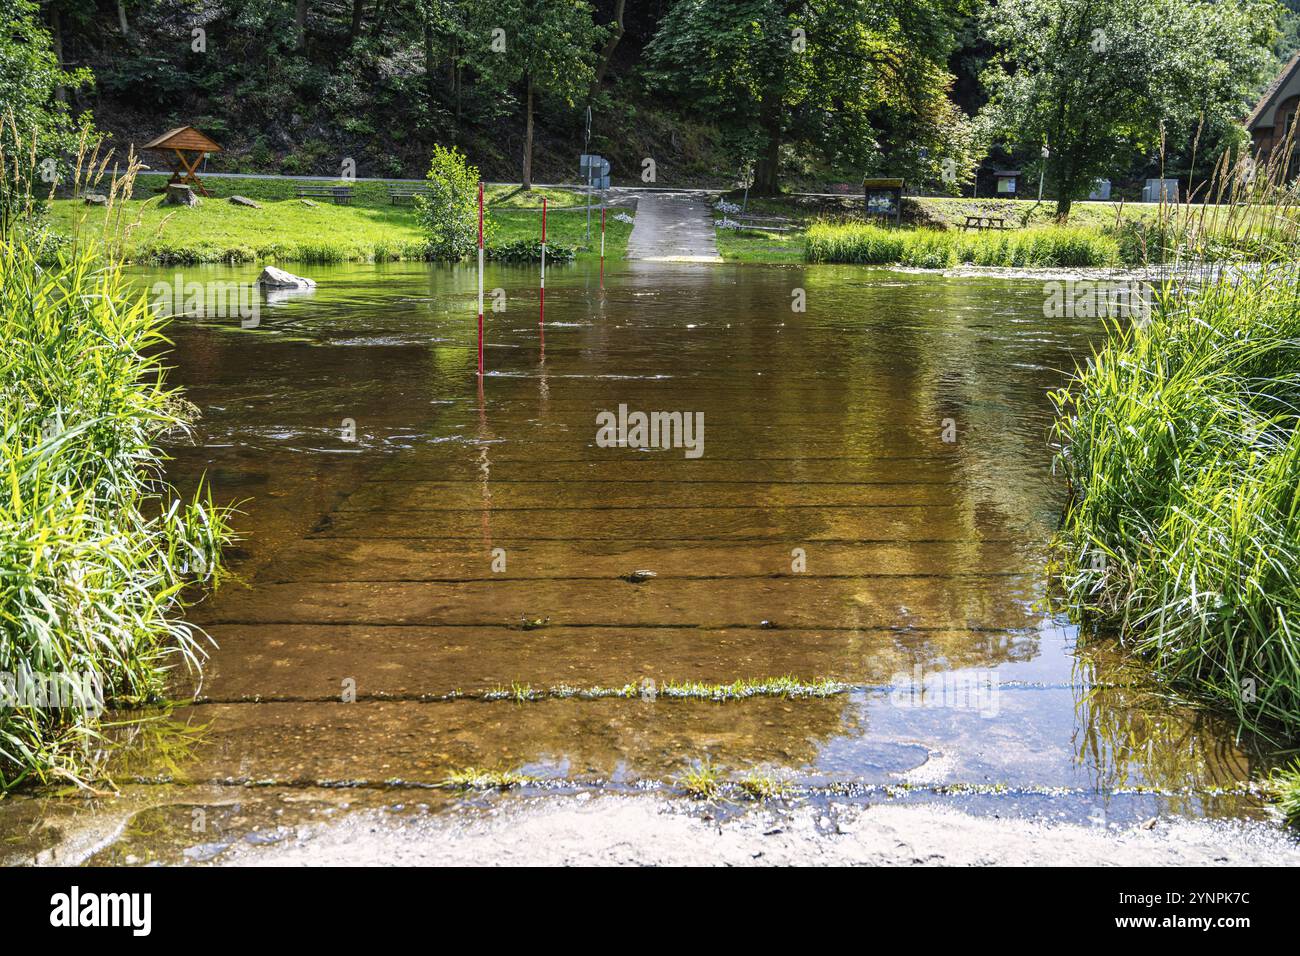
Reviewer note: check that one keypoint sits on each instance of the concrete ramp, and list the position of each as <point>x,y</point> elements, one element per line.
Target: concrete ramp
<point>673,227</point>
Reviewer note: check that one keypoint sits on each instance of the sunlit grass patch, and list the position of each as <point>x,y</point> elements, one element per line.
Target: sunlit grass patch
<point>519,693</point>
<point>701,782</point>
<point>735,245</point>
<point>760,786</point>
<point>285,229</point>
<point>1037,246</point>
<point>742,689</point>
<point>479,778</point>
<point>1284,787</point>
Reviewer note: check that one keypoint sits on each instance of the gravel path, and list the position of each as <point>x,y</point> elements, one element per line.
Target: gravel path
<point>605,831</point>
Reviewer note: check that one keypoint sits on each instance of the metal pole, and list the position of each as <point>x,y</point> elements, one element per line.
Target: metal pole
<point>1042,170</point>
<point>586,150</point>
<point>480,281</point>
<point>541,300</point>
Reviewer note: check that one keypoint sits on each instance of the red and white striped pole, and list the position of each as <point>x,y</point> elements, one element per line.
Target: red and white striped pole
<point>602,246</point>
<point>480,279</point>
<point>541,306</point>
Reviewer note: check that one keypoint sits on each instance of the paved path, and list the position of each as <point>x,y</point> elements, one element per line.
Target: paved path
<point>673,227</point>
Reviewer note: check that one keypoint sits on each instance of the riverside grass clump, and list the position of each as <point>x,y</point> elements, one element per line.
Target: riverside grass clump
<point>97,551</point>
<point>1038,246</point>
<point>1180,443</point>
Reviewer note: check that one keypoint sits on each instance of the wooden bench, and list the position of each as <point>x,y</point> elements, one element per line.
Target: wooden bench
<point>984,222</point>
<point>405,195</point>
<point>339,194</point>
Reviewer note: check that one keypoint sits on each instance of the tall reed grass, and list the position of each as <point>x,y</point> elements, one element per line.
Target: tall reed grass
<point>1180,444</point>
<point>1039,246</point>
<point>97,551</point>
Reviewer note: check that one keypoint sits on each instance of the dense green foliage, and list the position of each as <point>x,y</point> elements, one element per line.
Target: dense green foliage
<point>863,85</point>
<point>810,92</point>
<point>95,549</point>
<point>1096,81</point>
<point>530,250</point>
<point>547,47</point>
<point>37,131</point>
<point>449,211</point>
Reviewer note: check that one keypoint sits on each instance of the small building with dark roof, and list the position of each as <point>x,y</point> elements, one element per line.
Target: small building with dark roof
<point>1272,119</point>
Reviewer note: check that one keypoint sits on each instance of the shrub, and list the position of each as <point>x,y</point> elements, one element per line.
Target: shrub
<point>530,250</point>
<point>449,213</point>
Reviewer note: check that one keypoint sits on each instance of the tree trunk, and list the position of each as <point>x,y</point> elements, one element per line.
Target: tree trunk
<point>381,18</point>
<point>430,61</point>
<point>766,179</point>
<point>121,20</point>
<point>56,36</point>
<point>300,24</point>
<point>607,51</point>
<point>1065,179</point>
<point>358,11</point>
<point>528,134</point>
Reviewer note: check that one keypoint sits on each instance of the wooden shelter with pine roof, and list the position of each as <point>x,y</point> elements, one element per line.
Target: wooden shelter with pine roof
<point>189,147</point>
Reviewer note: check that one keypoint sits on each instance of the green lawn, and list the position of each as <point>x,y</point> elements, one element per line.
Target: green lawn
<point>286,229</point>
<point>749,246</point>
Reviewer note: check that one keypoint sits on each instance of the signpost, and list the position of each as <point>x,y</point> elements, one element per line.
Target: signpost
<point>595,170</point>
<point>1042,170</point>
<point>586,145</point>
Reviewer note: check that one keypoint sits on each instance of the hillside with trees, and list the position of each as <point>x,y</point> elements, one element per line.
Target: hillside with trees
<point>809,94</point>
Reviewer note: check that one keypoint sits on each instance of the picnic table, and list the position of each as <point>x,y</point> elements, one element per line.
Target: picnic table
<point>342,195</point>
<point>984,222</point>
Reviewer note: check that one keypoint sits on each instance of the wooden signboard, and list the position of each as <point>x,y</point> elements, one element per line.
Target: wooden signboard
<point>884,199</point>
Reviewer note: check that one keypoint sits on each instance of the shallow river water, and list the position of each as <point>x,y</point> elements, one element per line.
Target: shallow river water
<point>871,504</point>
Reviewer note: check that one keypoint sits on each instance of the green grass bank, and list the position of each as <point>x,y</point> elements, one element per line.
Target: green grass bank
<point>1037,246</point>
<point>1180,444</point>
<point>287,230</point>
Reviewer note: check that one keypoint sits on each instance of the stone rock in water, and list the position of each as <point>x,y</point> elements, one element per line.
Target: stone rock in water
<point>245,201</point>
<point>178,194</point>
<point>279,279</point>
